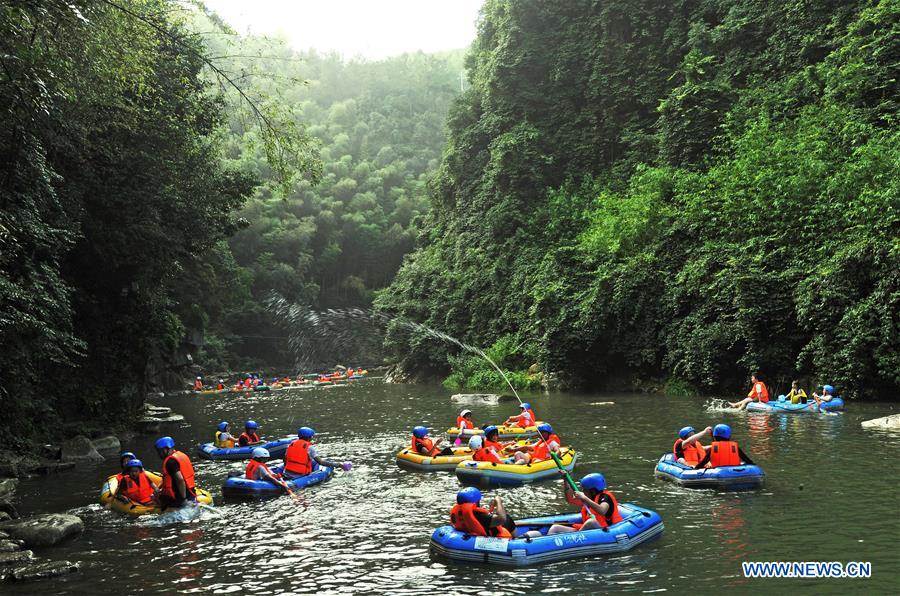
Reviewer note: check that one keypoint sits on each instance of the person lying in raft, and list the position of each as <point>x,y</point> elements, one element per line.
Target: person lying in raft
<point>135,484</point>
<point>422,445</point>
<point>300,455</point>
<point>599,507</point>
<point>249,436</point>
<point>797,395</point>
<point>687,448</point>
<point>258,470</point>
<point>758,392</point>
<point>466,516</point>
<point>827,394</point>
<point>723,451</point>
<point>523,420</point>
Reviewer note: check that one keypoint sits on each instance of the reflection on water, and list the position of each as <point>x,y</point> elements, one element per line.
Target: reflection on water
<point>368,530</point>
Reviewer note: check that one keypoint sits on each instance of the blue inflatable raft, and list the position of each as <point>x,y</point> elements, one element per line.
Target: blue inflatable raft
<point>638,526</point>
<point>240,488</point>
<point>786,407</point>
<point>276,449</point>
<point>744,477</point>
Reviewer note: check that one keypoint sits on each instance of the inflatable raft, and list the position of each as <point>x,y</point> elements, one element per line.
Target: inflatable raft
<point>129,507</point>
<point>488,474</point>
<point>276,450</point>
<point>506,433</point>
<point>744,477</point>
<point>410,460</point>
<point>638,526</point>
<point>240,488</point>
<point>786,407</point>
<point>210,391</point>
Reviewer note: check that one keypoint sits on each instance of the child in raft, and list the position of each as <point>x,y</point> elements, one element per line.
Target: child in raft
<point>422,445</point>
<point>249,436</point>
<point>827,395</point>
<point>466,516</point>
<point>687,448</point>
<point>723,451</point>
<point>135,484</point>
<point>797,395</point>
<point>599,507</point>
<point>258,470</point>
<point>523,420</point>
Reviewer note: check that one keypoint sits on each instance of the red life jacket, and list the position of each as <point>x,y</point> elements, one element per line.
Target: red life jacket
<point>462,422</point>
<point>253,466</point>
<point>425,442</point>
<point>612,514</point>
<point>462,518</point>
<point>487,454</point>
<point>296,459</point>
<point>198,385</point>
<point>763,393</point>
<point>526,421</point>
<point>693,453</point>
<point>139,491</point>
<point>187,471</point>
<point>497,446</point>
<point>724,453</point>
<point>250,437</point>
<point>220,386</point>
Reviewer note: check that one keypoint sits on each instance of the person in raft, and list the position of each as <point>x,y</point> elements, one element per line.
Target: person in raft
<point>599,507</point>
<point>723,451</point>
<point>827,394</point>
<point>797,395</point>
<point>177,485</point>
<point>258,470</point>
<point>301,454</point>
<point>464,421</point>
<point>687,448</point>
<point>198,384</point>
<point>249,436</point>
<point>539,451</point>
<point>422,445</point>
<point>124,458</point>
<point>523,420</point>
<point>467,517</point>
<point>135,484</point>
<point>220,385</point>
<point>223,438</point>
<point>757,393</point>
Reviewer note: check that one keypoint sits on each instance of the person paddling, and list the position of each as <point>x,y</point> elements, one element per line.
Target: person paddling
<point>249,436</point>
<point>758,392</point>
<point>301,456</point>
<point>466,516</point>
<point>525,419</point>
<point>687,448</point>
<point>599,507</point>
<point>135,485</point>
<point>723,451</point>
<point>258,470</point>
<point>177,476</point>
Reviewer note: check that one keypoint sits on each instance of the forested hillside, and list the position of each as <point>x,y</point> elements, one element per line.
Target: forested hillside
<point>686,190</point>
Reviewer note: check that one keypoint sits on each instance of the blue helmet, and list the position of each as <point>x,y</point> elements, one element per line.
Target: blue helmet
<point>306,433</point>
<point>722,431</point>
<point>260,453</point>
<point>134,463</point>
<point>222,426</point>
<point>828,389</point>
<point>595,481</point>
<point>525,406</point>
<point>125,454</point>
<point>490,429</point>
<point>545,428</point>
<point>165,443</point>
<point>251,425</point>
<point>686,432</point>
<point>419,432</point>
<point>470,494</point>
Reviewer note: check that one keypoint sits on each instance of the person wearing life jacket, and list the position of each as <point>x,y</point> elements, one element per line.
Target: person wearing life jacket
<point>492,438</point>
<point>827,394</point>
<point>302,457</point>
<point>796,395</point>
<point>198,384</point>
<point>223,438</point>
<point>177,485</point>
<point>687,448</point>
<point>249,436</point>
<point>464,421</point>
<point>758,393</point>
<point>467,517</point>
<point>723,451</point>
<point>258,470</point>
<point>422,445</point>
<point>540,451</point>
<point>525,419</point>
<point>135,484</point>
<point>599,507</point>
<point>481,452</point>
<point>220,385</point>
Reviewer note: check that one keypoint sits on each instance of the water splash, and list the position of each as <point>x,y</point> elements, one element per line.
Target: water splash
<point>716,404</point>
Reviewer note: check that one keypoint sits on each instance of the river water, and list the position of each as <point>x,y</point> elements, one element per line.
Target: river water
<point>831,495</point>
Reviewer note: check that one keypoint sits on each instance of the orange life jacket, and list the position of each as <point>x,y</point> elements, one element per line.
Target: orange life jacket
<point>763,392</point>
<point>296,459</point>
<point>724,453</point>
<point>253,466</point>
<point>693,453</point>
<point>250,437</point>
<point>139,491</point>
<point>462,422</point>
<point>425,442</point>
<point>220,386</point>
<point>198,385</point>
<point>462,517</point>
<point>497,446</point>
<point>612,514</point>
<point>187,471</point>
<point>486,454</point>
<point>526,421</point>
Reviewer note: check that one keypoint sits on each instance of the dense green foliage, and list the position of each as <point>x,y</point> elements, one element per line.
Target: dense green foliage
<point>690,190</point>
<point>471,371</point>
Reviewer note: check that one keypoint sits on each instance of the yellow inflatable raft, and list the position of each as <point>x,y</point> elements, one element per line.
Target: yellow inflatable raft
<point>482,473</point>
<point>506,432</point>
<point>129,507</point>
<point>410,460</point>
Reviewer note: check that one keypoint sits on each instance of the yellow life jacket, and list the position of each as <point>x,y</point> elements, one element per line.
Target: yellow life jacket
<point>229,443</point>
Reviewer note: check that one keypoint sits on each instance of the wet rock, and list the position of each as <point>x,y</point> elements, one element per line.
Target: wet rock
<point>154,411</point>
<point>10,546</point>
<point>8,489</point>
<point>887,423</point>
<point>4,515</point>
<point>43,530</point>
<point>476,398</point>
<point>107,444</point>
<point>80,448</point>
<point>148,425</point>
<point>43,570</point>
<point>155,395</point>
<point>54,467</point>
<point>17,557</point>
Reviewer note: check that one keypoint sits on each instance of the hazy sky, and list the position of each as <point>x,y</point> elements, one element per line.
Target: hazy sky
<point>374,28</point>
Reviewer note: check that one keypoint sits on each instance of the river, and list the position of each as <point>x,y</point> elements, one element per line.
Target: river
<point>831,495</point>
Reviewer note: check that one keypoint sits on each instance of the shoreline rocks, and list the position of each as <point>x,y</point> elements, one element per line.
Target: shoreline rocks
<point>79,449</point>
<point>891,422</point>
<point>43,530</point>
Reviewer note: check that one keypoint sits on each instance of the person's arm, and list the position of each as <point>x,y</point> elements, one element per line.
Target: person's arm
<point>704,461</point>
<point>600,508</point>
<point>744,457</point>
<point>697,436</point>
<point>571,499</point>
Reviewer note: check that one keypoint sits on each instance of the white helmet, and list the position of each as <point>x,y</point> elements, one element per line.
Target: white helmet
<point>260,453</point>
<point>464,412</point>
<point>475,443</point>
<point>198,378</point>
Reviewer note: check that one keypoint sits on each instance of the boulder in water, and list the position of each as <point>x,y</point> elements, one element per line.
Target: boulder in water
<point>891,422</point>
<point>10,546</point>
<point>80,448</point>
<point>43,570</point>
<point>476,398</point>
<point>15,558</point>
<point>43,530</point>
<point>107,444</point>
